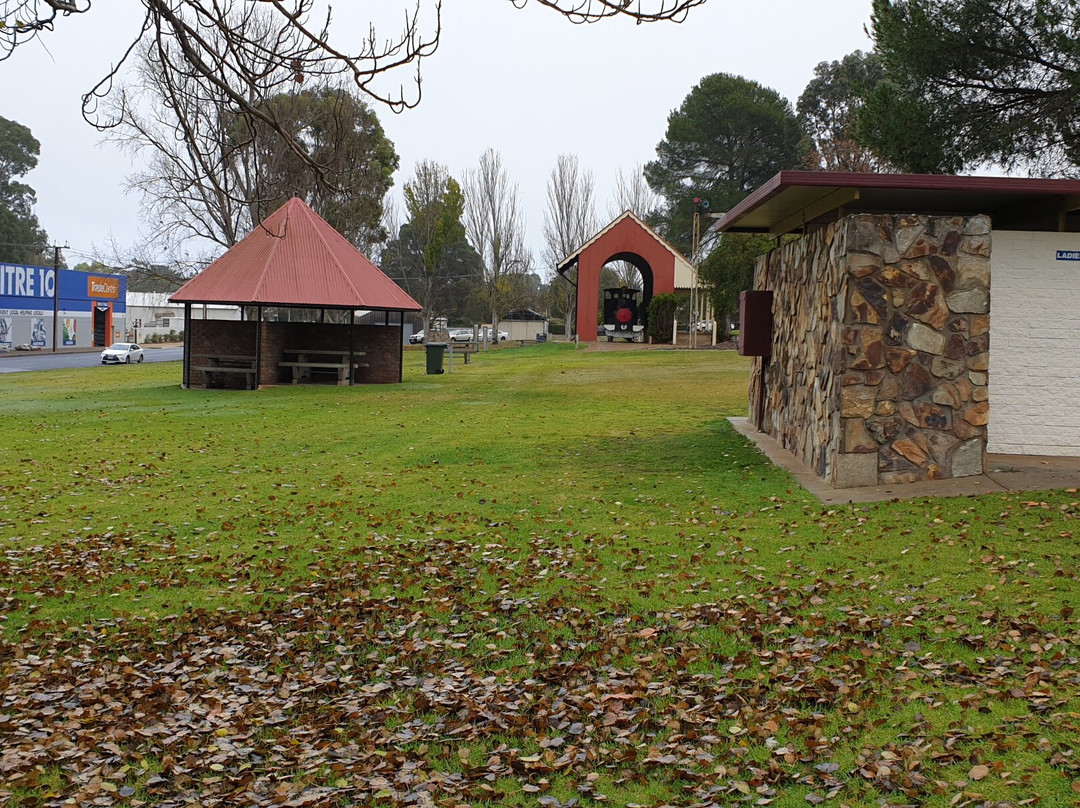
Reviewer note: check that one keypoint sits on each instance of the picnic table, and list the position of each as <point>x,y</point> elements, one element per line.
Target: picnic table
<point>320,360</point>
<point>215,367</point>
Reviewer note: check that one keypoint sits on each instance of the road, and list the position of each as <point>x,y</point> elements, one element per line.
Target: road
<point>16,362</point>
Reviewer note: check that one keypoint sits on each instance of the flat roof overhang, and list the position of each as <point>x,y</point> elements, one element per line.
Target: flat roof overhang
<point>799,200</point>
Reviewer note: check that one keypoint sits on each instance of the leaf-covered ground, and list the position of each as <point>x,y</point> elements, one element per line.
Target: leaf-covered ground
<point>554,578</point>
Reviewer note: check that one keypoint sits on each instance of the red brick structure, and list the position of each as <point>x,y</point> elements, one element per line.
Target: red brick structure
<point>380,362</point>
<point>628,239</point>
<point>303,290</point>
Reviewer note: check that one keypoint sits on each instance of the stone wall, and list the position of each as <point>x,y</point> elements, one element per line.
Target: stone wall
<point>881,348</point>
<point>808,280</point>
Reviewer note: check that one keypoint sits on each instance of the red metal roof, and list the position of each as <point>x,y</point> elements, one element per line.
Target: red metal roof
<point>294,258</point>
<point>792,200</point>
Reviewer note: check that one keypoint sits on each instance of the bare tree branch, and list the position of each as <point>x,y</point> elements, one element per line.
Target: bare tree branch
<point>22,20</point>
<point>187,21</point>
<point>587,11</point>
<point>495,227</point>
<point>206,42</point>
<point>569,221</point>
<point>214,172</point>
<point>632,193</point>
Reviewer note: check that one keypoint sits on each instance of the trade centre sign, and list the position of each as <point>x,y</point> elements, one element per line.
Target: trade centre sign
<point>98,287</point>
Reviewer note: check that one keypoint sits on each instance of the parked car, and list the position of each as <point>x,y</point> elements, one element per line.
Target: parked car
<point>416,338</point>
<point>461,335</point>
<point>121,353</point>
<point>502,335</point>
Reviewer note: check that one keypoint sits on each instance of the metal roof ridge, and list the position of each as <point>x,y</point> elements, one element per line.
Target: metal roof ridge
<point>278,240</point>
<point>317,223</point>
<point>287,210</point>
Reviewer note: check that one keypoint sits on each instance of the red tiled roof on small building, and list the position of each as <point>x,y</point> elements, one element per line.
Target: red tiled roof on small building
<point>295,258</point>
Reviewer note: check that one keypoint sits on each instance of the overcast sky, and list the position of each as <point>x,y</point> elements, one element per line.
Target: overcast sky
<point>524,82</point>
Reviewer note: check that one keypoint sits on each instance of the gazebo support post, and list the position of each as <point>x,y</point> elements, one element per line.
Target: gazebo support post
<point>258,348</point>
<point>352,329</point>
<point>187,345</point>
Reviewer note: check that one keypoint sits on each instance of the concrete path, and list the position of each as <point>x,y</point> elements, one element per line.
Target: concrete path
<point>1004,473</point>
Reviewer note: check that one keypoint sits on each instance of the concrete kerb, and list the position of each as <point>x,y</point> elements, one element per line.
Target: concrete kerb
<point>1003,473</point>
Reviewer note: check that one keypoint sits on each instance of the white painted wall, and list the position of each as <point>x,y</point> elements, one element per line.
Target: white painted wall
<point>1034,382</point>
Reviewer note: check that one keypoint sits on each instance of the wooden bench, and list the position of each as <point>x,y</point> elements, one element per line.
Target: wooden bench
<point>465,349</point>
<point>523,342</point>
<point>318,360</point>
<point>215,366</point>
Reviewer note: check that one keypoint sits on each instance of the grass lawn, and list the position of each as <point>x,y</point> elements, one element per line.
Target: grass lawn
<point>554,577</point>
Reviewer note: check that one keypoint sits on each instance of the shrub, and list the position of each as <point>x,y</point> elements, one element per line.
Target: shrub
<point>662,316</point>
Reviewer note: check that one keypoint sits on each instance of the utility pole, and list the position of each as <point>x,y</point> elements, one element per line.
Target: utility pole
<point>56,295</point>
<point>700,206</point>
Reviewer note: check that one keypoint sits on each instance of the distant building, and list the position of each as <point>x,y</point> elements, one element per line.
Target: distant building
<point>151,313</point>
<point>524,324</point>
<point>42,308</point>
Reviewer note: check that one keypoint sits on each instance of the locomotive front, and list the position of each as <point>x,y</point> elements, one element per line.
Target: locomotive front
<point>621,319</point>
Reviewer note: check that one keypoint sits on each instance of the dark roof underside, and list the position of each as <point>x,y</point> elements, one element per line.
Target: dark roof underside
<point>798,200</point>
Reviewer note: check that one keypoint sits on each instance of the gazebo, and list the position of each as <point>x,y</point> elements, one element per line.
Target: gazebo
<point>312,308</point>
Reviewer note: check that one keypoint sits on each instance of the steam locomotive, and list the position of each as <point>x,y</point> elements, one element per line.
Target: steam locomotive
<point>621,319</point>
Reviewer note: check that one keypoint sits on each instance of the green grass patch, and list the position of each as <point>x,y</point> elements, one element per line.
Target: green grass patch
<point>554,574</point>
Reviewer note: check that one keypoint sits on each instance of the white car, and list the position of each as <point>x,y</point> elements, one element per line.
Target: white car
<point>502,335</point>
<point>121,353</point>
<point>417,338</point>
<point>461,335</point>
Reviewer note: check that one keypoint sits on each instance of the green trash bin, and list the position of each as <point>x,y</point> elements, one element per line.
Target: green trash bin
<point>435,351</point>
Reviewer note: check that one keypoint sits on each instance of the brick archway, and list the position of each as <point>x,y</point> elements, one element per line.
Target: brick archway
<point>628,239</point>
